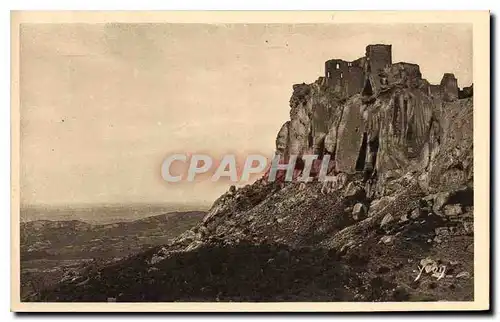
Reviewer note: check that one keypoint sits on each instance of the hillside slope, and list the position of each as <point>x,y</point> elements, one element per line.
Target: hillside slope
<point>53,250</point>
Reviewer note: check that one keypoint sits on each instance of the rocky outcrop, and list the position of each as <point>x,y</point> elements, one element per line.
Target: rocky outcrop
<point>449,87</point>
<point>383,133</point>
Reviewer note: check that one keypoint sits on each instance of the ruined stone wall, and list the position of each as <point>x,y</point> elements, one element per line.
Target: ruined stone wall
<point>355,80</point>
<point>378,57</point>
<point>449,87</point>
<point>466,92</point>
<point>405,74</point>
<point>345,77</point>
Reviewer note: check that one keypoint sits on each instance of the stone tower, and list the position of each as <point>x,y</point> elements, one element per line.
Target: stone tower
<point>378,57</point>
<point>449,87</point>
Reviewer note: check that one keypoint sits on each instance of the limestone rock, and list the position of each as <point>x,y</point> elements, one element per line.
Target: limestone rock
<point>331,139</point>
<point>386,221</point>
<point>388,240</point>
<point>439,201</point>
<point>416,213</point>
<point>350,136</point>
<point>337,183</point>
<point>452,210</point>
<point>354,191</point>
<point>469,227</point>
<point>463,274</point>
<point>449,87</point>
<point>282,139</point>
<point>379,204</point>
<point>359,212</point>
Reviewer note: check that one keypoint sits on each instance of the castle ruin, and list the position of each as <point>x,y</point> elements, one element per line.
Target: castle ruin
<point>381,116</point>
<point>375,72</point>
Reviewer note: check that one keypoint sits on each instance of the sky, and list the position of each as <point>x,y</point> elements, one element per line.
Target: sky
<point>102,105</point>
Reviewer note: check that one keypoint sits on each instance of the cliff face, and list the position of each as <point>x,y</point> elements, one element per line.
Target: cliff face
<point>399,128</point>
<point>401,153</point>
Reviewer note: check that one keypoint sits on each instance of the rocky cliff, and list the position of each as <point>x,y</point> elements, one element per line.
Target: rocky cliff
<point>383,135</point>
<point>396,224</point>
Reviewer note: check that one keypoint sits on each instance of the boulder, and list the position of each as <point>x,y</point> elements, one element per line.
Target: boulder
<point>282,139</point>
<point>440,199</point>
<point>468,227</point>
<point>386,221</point>
<point>354,191</point>
<point>379,204</point>
<point>337,183</point>
<point>416,213</point>
<point>387,240</point>
<point>442,231</point>
<point>359,211</point>
<point>452,210</point>
<point>449,87</point>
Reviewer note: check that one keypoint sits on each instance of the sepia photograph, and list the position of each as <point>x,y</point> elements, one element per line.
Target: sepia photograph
<point>238,159</point>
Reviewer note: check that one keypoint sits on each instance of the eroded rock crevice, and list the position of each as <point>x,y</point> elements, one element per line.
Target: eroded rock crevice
<point>360,162</point>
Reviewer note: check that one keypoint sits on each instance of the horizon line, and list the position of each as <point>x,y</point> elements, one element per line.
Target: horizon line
<point>76,204</point>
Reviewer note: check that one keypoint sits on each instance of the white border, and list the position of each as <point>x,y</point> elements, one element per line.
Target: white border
<point>196,5</point>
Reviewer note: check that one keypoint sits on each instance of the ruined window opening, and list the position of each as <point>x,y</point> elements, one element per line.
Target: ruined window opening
<point>328,74</point>
<point>349,64</point>
<point>360,162</point>
<point>341,75</point>
<point>337,66</point>
<point>367,89</point>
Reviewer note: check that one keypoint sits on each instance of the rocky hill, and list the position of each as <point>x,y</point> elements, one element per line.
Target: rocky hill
<point>53,250</point>
<point>76,239</point>
<point>394,224</point>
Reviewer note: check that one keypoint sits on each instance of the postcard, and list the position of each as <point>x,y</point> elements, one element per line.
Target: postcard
<point>189,161</point>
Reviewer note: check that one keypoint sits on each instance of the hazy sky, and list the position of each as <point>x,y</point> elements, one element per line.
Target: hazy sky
<point>102,105</point>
